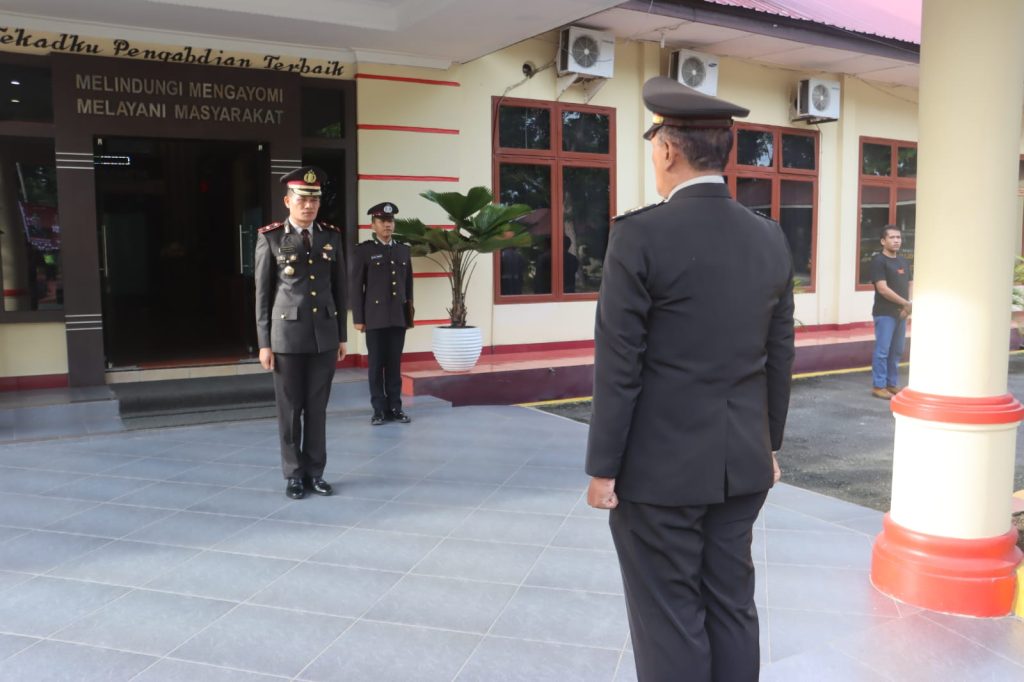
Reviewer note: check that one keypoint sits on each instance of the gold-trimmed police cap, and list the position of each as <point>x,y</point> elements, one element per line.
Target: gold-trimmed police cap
<point>385,209</point>
<point>674,104</point>
<point>305,181</point>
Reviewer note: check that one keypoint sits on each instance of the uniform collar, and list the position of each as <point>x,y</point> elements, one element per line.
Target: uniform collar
<point>700,179</point>
<point>378,241</point>
<point>288,226</point>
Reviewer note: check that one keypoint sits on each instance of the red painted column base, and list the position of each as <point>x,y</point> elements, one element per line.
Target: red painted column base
<point>951,575</point>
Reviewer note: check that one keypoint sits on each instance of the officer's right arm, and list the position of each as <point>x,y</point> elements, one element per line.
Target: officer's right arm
<point>620,340</point>
<point>264,273</point>
<point>357,296</point>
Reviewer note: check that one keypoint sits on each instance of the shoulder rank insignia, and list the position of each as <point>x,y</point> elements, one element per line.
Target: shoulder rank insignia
<point>271,227</point>
<point>328,226</point>
<point>637,211</point>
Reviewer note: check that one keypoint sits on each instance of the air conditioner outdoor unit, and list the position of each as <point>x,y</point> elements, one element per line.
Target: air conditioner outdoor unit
<point>585,52</point>
<point>817,100</point>
<point>695,69</point>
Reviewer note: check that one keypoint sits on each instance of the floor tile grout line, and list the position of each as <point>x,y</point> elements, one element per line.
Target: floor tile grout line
<point>272,676</point>
<point>927,615</point>
<point>767,615</point>
<point>880,673</point>
<point>522,582</point>
<point>237,603</point>
<point>409,572</point>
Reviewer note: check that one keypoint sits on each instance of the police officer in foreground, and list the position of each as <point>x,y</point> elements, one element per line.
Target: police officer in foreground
<point>693,354</point>
<point>300,326</point>
<point>382,308</point>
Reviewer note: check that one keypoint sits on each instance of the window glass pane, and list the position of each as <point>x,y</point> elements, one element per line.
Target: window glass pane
<point>755,194</point>
<point>322,113</point>
<point>877,159</point>
<point>584,132</point>
<point>25,93</point>
<point>524,128</point>
<point>874,215</point>
<point>906,220</point>
<point>586,216</point>
<point>30,239</point>
<point>796,215</point>
<point>906,162</point>
<point>798,152</point>
<point>522,270</point>
<point>755,148</point>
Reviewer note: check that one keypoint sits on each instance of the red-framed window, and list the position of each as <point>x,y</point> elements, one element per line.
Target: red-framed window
<point>774,172</point>
<point>31,261</point>
<point>887,194</point>
<point>559,159</point>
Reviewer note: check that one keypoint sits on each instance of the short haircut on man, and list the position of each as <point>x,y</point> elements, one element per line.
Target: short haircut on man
<point>706,149</point>
<point>890,228</point>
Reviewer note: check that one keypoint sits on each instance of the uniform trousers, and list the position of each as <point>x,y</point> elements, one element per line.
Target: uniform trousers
<point>689,584</point>
<point>302,387</point>
<point>384,359</point>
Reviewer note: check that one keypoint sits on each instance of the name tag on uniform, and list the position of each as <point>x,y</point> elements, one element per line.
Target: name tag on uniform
<point>287,248</point>
<point>376,256</point>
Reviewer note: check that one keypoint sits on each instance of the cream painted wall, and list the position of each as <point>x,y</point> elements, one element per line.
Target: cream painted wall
<point>867,110</point>
<point>33,349</point>
<point>389,152</point>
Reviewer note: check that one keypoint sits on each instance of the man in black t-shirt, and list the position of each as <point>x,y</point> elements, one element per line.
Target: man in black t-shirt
<point>890,275</point>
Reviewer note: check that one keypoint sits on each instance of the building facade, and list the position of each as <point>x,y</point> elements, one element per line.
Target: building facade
<point>134,173</point>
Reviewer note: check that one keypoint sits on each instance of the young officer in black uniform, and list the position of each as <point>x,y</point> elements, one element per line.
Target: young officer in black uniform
<point>300,325</point>
<point>382,308</point>
<point>693,353</point>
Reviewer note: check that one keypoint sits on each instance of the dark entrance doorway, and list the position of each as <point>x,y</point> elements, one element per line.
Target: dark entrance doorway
<point>176,225</point>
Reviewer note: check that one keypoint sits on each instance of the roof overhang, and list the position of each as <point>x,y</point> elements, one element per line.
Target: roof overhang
<point>434,33</point>
<point>746,34</point>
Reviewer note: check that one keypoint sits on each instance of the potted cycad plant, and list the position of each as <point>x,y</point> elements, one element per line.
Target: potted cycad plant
<point>481,226</point>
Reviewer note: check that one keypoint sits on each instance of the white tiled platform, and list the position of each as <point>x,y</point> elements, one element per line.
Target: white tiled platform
<point>458,547</point>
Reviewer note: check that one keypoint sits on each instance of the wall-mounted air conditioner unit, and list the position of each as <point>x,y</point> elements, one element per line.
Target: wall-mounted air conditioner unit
<point>695,69</point>
<point>817,100</point>
<point>585,52</point>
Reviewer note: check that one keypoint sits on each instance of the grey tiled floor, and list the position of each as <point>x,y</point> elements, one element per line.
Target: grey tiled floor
<point>458,547</point>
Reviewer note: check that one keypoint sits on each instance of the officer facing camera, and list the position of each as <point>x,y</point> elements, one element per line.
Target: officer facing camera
<point>300,326</point>
<point>382,309</point>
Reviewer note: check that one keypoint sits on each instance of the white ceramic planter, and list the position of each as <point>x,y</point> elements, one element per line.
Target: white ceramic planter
<point>457,349</point>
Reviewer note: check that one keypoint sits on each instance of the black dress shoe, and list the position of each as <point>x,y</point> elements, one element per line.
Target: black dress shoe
<point>400,417</point>
<point>295,489</point>
<point>377,419</point>
<point>319,486</point>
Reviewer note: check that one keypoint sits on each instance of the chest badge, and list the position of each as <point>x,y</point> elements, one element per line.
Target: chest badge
<point>289,271</point>
<point>328,247</point>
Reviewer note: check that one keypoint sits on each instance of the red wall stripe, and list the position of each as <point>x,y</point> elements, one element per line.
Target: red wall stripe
<point>408,129</point>
<point>15,292</point>
<point>414,178</point>
<point>403,79</point>
<point>425,323</point>
<point>436,227</point>
<point>429,274</point>
<point>33,382</point>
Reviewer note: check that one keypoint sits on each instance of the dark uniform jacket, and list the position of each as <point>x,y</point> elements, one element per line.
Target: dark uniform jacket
<point>301,309</point>
<point>694,350</point>
<point>381,284</point>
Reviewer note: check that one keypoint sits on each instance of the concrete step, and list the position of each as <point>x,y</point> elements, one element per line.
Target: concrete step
<point>66,413</point>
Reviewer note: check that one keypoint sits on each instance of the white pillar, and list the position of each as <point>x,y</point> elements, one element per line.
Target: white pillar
<point>948,544</point>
